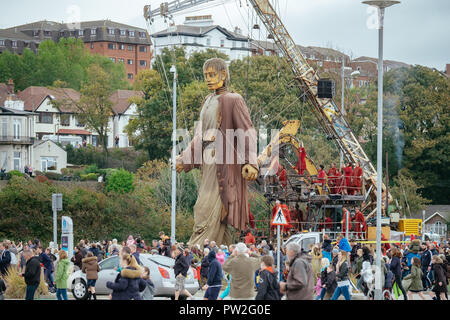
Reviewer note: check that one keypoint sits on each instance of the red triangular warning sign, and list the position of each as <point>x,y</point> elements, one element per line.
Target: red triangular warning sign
<point>279,219</point>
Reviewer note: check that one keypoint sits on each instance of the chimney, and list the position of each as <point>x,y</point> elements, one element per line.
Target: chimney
<point>447,69</point>
<point>10,86</point>
<point>238,30</point>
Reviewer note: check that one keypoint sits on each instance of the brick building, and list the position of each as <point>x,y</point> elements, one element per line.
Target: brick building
<point>120,42</point>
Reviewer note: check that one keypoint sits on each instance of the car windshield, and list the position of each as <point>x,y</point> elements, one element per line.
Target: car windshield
<point>162,260</point>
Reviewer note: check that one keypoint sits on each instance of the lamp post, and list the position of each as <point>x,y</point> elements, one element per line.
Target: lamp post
<point>173,70</point>
<point>381,5</point>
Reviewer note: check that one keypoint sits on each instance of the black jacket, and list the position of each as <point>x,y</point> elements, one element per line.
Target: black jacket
<point>32,275</point>
<point>215,270</point>
<point>181,265</point>
<point>204,267</point>
<point>330,282</point>
<point>77,259</point>
<point>425,259</point>
<point>5,261</point>
<point>326,246</point>
<point>343,272</point>
<point>127,285</point>
<point>268,286</point>
<point>396,267</point>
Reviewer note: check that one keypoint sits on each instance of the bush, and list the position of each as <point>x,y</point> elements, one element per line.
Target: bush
<point>16,287</point>
<point>42,179</point>
<point>15,173</point>
<point>53,176</point>
<point>89,177</point>
<point>120,181</point>
<point>91,169</point>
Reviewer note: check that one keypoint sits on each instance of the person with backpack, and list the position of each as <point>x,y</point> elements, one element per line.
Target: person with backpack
<point>215,275</point>
<point>268,286</point>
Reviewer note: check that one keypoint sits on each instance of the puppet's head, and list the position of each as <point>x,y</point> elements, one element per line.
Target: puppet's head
<point>216,74</point>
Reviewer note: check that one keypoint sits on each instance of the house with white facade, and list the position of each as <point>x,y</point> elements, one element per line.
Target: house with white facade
<point>49,157</point>
<point>199,33</point>
<point>16,135</point>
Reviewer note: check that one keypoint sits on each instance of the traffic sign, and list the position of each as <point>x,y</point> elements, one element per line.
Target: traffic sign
<point>279,218</point>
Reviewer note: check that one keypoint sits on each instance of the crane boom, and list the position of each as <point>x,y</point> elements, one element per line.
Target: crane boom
<point>326,111</point>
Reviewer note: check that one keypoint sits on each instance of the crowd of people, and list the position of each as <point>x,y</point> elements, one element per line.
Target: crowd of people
<point>245,270</point>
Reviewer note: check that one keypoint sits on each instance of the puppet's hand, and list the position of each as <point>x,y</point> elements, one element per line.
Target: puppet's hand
<point>249,172</point>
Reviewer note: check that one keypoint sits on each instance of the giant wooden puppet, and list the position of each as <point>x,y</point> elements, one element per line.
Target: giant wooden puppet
<point>226,160</point>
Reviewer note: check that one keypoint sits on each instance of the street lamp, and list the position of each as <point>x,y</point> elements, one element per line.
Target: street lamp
<point>173,70</point>
<point>381,5</point>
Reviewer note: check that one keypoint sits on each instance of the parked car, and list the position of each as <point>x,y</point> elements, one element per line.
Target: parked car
<point>161,272</point>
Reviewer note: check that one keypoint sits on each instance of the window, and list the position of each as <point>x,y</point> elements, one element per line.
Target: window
<point>111,31</point>
<point>130,61</point>
<point>14,44</point>
<point>17,161</point>
<point>48,163</point>
<point>312,58</point>
<point>3,163</point>
<point>35,33</point>
<point>131,33</point>
<point>121,60</point>
<point>112,46</point>
<point>130,48</point>
<point>80,33</point>
<point>307,242</point>
<point>234,44</point>
<point>222,43</point>
<point>121,47</point>
<point>93,32</point>
<point>130,76</point>
<point>4,128</point>
<point>186,40</point>
<point>243,44</point>
<point>123,33</point>
<point>109,264</point>
<point>47,33</point>
<point>2,43</point>
<point>78,123</point>
<point>359,68</point>
<point>92,45</point>
<point>142,49</point>
<point>113,59</point>
<point>143,63</point>
<point>208,41</point>
<point>65,120</point>
<point>45,117</point>
<point>320,63</point>
<point>142,35</point>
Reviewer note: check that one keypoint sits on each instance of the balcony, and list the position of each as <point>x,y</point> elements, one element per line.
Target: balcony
<point>24,140</point>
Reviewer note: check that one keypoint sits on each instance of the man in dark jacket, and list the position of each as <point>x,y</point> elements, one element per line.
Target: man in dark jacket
<point>215,276</point>
<point>32,275</point>
<point>5,258</point>
<point>180,270</point>
<point>268,286</point>
<point>425,264</point>
<point>48,268</point>
<point>77,258</point>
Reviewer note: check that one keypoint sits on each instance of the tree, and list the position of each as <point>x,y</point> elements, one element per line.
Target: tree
<point>94,107</point>
<point>406,192</point>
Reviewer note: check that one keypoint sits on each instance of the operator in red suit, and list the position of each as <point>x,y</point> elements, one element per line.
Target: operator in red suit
<point>321,176</point>
<point>251,218</point>
<point>339,181</point>
<point>281,173</point>
<point>348,173</point>
<point>301,162</point>
<point>332,175</point>
<point>357,179</point>
<point>359,223</point>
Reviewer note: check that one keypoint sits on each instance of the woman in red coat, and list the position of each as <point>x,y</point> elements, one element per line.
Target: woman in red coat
<point>301,162</point>
<point>357,179</point>
<point>359,223</point>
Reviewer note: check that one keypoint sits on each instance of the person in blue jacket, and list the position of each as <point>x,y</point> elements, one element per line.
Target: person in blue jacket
<point>48,268</point>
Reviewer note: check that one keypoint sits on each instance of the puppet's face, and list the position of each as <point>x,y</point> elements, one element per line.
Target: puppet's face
<point>215,79</point>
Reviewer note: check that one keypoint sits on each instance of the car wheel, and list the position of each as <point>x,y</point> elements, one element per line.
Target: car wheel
<point>79,289</point>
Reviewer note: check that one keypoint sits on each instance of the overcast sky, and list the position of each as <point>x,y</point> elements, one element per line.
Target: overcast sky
<point>416,31</point>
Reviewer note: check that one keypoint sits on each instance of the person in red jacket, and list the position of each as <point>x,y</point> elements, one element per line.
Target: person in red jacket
<point>287,214</point>
<point>301,162</point>
<point>321,175</point>
<point>357,179</point>
<point>332,175</point>
<point>249,238</point>
<point>282,176</point>
<point>339,187</point>
<point>359,223</point>
<point>251,218</point>
<point>348,173</point>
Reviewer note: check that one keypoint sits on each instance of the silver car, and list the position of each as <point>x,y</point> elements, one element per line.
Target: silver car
<point>161,273</point>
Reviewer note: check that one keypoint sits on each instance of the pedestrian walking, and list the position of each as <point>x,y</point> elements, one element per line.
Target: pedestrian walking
<point>91,268</point>
<point>415,276</point>
<point>242,269</point>
<point>215,275</point>
<point>343,282</point>
<point>440,279</point>
<point>396,268</point>
<point>32,274</point>
<point>180,270</point>
<point>128,282</point>
<point>48,267</point>
<point>61,275</point>
<point>2,288</point>
<point>329,282</point>
<point>268,286</point>
<point>300,279</point>
<point>204,267</point>
<point>77,258</point>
